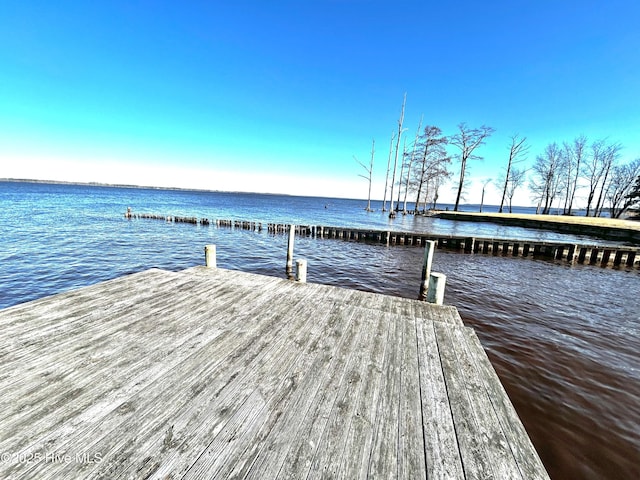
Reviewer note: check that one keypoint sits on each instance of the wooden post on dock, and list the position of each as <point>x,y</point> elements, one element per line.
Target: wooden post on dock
<point>210,256</point>
<point>429,247</point>
<point>301,270</point>
<point>292,233</point>
<point>437,282</point>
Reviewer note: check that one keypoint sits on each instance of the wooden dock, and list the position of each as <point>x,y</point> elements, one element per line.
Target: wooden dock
<point>210,373</point>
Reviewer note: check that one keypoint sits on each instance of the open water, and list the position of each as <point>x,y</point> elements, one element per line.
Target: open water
<point>565,340</point>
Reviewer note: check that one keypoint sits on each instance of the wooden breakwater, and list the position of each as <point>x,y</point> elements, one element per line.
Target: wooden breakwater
<point>587,254</point>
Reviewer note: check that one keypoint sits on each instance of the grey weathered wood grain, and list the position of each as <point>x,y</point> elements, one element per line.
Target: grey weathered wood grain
<point>411,453</point>
<point>529,462</point>
<point>328,457</point>
<point>209,373</point>
<point>383,461</point>
<point>312,419</point>
<point>275,378</point>
<point>359,438</point>
<point>442,456</point>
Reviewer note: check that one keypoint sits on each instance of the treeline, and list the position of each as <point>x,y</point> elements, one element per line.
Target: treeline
<point>417,170</point>
<point>562,171</point>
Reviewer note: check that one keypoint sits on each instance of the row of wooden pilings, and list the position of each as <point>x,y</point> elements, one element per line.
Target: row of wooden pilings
<point>599,255</point>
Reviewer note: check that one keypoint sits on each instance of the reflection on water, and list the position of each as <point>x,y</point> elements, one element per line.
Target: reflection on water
<point>563,339</point>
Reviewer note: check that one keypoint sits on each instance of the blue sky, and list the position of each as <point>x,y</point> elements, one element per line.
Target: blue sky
<point>279,96</point>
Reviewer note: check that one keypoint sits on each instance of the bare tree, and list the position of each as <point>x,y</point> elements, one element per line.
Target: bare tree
<point>596,171</point>
<point>517,151</point>
<point>400,178</point>
<point>611,155</point>
<point>546,184</point>
<point>592,171</point>
<point>431,163</point>
<point>516,181</point>
<point>392,213</point>
<point>412,156</point>
<point>574,153</point>
<point>386,182</point>
<point>484,186</point>
<point>435,183</point>
<point>467,141</point>
<point>369,170</point>
<point>621,187</point>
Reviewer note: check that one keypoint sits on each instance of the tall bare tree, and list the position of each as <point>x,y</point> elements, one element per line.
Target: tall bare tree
<point>434,184</point>
<point>392,213</point>
<point>575,153</point>
<point>611,156</point>
<point>517,179</point>
<point>430,163</point>
<point>386,182</point>
<point>467,140</point>
<point>400,178</point>
<point>517,152</point>
<point>412,156</point>
<point>596,171</point>
<point>369,170</point>
<point>621,186</point>
<point>547,184</point>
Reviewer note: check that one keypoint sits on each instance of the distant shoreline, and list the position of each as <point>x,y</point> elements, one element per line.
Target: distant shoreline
<point>142,187</point>
<point>182,189</point>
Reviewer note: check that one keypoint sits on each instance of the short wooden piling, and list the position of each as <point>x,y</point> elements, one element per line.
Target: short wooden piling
<point>210,256</point>
<point>631,258</point>
<point>429,248</point>
<point>301,270</point>
<point>437,283</point>
<point>468,244</point>
<point>292,233</point>
<point>618,258</point>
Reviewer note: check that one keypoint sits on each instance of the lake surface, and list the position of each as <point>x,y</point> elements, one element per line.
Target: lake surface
<point>565,340</point>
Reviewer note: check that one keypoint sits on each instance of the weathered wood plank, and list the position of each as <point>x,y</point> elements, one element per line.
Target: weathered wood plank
<point>383,462</point>
<point>359,438</point>
<point>411,449</point>
<point>106,343</point>
<point>136,380</point>
<point>211,390</point>
<point>261,451</point>
<point>528,461</point>
<point>483,447</point>
<point>294,440</point>
<point>306,440</point>
<point>280,380</point>
<point>442,455</point>
<point>331,446</point>
<point>385,303</point>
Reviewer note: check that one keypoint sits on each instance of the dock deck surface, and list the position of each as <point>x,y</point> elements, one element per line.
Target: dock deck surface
<point>211,373</point>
